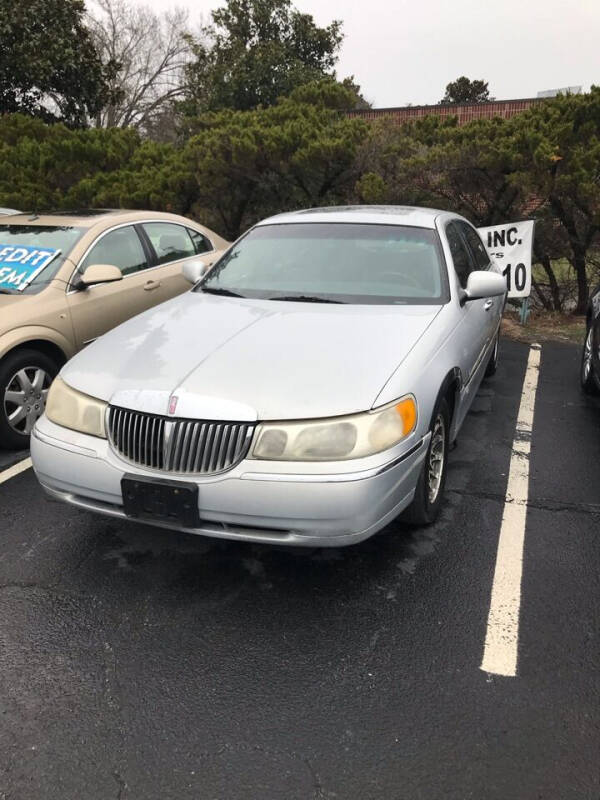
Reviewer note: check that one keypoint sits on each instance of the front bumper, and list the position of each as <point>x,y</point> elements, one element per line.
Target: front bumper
<point>259,501</point>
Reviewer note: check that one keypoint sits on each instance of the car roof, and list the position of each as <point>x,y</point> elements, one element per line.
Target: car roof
<point>412,216</point>
<point>88,218</point>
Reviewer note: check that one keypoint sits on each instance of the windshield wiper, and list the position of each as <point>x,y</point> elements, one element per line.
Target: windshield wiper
<point>306,298</point>
<point>6,291</point>
<point>223,292</point>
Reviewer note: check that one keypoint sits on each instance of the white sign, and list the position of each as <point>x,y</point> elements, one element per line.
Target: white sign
<point>510,246</point>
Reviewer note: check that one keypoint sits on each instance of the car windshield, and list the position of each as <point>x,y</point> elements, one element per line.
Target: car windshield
<point>333,262</point>
<point>18,257</point>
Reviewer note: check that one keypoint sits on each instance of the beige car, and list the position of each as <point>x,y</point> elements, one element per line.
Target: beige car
<point>66,279</point>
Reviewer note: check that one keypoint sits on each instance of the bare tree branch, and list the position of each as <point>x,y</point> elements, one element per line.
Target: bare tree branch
<point>146,55</point>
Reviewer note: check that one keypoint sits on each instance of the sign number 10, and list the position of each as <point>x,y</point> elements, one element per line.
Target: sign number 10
<point>520,277</point>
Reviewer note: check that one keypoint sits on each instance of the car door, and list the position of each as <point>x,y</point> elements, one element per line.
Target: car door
<point>171,244</point>
<point>473,328</point>
<point>492,306</point>
<point>97,309</point>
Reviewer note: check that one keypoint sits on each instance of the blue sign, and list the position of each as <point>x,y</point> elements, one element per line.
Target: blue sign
<point>21,263</point>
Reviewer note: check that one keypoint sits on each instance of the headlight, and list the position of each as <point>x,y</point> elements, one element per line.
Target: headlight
<point>74,410</point>
<point>337,439</point>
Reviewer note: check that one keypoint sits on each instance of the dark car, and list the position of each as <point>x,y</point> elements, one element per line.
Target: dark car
<point>590,356</point>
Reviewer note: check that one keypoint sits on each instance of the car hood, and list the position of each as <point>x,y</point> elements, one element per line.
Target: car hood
<point>225,358</point>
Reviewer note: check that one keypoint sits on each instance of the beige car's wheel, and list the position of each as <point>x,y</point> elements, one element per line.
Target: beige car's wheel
<point>25,378</point>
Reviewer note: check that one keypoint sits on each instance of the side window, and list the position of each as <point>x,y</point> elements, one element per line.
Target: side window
<point>482,260</point>
<point>201,243</point>
<point>121,248</point>
<point>170,241</point>
<point>460,256</point>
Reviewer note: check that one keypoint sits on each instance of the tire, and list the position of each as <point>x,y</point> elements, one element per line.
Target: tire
<point>25,377</point>
<point>429,493</point>
<point>493,362</point>
<point>588,375</point>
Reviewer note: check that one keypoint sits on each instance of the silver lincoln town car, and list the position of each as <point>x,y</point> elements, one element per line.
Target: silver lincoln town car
<point>305,391</point>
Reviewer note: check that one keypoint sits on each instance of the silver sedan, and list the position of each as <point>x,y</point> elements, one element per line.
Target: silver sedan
<point>305,391</point>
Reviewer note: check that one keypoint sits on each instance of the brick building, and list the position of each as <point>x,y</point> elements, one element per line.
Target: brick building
<point>465,113</point>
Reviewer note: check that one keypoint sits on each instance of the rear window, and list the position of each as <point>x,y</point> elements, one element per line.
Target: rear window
<point>171,242</point>
<point>201,243</point>
<point>17,246</point>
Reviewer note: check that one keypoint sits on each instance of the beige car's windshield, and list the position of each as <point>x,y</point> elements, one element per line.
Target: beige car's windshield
<point>43,237</point>
<point>333,263</point>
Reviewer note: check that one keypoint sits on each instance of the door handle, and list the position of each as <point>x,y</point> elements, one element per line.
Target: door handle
<point>488,304</point>
<point>149,285</point>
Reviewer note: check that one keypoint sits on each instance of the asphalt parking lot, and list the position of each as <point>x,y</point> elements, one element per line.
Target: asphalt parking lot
<point>137,663</point>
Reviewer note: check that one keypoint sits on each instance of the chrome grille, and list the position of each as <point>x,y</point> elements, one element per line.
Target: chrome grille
<point>178,445</point>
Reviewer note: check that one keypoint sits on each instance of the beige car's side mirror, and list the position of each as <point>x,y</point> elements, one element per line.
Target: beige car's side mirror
<point>195,269</point>
<point>100,273</point>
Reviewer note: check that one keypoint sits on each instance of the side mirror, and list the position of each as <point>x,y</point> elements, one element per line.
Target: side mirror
<point>99,273</point>
<point>194,270</point>
<point>481,284</point>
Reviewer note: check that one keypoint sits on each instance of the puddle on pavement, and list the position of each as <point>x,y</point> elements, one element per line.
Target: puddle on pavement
<point>220,569</point>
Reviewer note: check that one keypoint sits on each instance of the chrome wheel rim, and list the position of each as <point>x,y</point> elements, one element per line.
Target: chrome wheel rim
<point>437,455</point>
<point>25,398</point>
<point>587,355</point>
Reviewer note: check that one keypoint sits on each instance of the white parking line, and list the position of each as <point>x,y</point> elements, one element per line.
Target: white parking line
<point>502,636</point>
<point>16,469</point>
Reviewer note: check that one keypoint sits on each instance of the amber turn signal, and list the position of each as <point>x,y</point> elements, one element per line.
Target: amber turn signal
<point>407,408</point>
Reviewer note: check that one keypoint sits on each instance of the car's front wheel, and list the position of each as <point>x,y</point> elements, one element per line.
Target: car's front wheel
<point>427,502</point>
<point>25,377</point>
<point>587,373</point>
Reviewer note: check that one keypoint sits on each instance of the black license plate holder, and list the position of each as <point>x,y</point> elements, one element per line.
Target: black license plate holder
<point>172,502</point>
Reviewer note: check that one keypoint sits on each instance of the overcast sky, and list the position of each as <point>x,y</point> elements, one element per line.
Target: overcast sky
<point>404,52</point>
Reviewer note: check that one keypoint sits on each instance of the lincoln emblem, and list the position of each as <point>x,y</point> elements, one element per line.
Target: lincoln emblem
<point>172,404</point>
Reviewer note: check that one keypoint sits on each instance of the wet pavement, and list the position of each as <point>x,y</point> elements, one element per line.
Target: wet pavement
<point>10,457</point>
<point>139,663</point>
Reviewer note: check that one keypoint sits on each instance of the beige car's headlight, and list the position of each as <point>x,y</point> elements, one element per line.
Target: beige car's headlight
<point>75,410</point>
<point>338,438</point>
